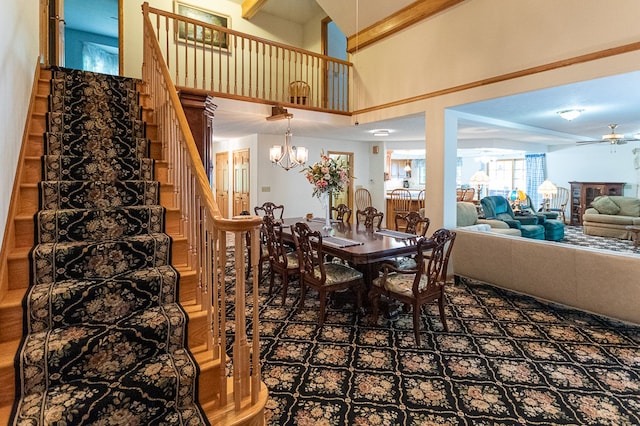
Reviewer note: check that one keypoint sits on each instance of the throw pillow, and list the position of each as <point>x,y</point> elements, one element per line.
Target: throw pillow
<point>604,205</point>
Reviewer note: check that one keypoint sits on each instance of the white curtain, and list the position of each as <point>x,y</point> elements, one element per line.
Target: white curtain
<point>97,59</point>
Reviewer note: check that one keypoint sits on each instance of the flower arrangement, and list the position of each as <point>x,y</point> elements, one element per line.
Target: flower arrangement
<point>326,176</point>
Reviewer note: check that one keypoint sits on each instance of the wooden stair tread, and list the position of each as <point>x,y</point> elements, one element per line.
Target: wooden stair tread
<point>19,253</point>
<point>13,298</point>
<point>5,411</point>
<point>8,352</point>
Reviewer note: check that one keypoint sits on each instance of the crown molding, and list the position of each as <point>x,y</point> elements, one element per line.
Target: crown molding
<point>415,12</point>
<point>251,7</point>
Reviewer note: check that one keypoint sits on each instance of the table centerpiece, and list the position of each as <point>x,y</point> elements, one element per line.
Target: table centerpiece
<point>327,177</point>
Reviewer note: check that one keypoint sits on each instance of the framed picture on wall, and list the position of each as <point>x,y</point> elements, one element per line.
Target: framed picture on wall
<point>188,32</point>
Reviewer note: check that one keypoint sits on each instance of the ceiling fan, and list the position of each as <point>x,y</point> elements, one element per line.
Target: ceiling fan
<point>611,138</point>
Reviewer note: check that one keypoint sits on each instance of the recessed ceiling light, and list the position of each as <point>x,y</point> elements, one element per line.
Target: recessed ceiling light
<point>570,114</point>
<point>381,132</point>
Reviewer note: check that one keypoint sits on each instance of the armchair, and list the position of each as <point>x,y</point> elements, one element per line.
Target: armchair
<point>497,207</point>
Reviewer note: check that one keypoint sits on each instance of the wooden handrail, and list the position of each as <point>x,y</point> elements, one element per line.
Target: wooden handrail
<point>229,63</point>
<point>206,231</point>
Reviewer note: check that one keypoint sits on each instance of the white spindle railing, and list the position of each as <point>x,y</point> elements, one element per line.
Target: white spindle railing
<point>228,63</point>
<point>206,231</point>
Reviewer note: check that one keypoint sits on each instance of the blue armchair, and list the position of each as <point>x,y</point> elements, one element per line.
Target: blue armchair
<point>497,207</point>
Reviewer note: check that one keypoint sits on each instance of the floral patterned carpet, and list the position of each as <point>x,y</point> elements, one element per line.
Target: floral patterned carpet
<point>508,359</point>
<point>104,336</point>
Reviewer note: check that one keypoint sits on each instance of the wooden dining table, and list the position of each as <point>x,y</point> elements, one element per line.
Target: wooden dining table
<point>364,248</point>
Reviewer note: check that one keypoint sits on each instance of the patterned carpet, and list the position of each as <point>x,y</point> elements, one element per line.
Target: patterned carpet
<point>104,334</point>
<point>573,235</point>
<point>508,359</point>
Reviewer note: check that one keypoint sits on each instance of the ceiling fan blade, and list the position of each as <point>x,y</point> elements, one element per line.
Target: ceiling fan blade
<point>588,142</point>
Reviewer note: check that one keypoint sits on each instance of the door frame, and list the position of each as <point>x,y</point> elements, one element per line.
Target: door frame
<point>52,41</point>
<point>350,161</point>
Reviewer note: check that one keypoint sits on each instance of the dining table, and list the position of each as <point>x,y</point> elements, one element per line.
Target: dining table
<point>364,248</point>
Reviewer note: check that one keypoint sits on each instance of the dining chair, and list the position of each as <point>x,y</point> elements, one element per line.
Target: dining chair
<point>416,287</point>
<point>421,195</point>
<point>400,200</point>
<point>415,223</point>
<point>370,216</point>
<point>343,212</point>
<point>469,195</point>
<point>558,203</point>
<point>299,92</point>
<point>275,212</point>
<point>281,261</point>
<point>363,199</point>
<point>459,194</point>
<point>324,277</point>
<point>270,209</point>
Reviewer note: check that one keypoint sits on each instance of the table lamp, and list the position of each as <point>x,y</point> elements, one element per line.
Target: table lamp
<point>479,179</point>
<point>517,196</point>
<point>548,190</point>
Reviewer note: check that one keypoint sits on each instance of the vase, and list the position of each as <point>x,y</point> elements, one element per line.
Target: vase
<point>326,196</point>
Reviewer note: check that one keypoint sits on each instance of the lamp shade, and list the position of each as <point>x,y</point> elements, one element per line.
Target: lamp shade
<point>547,189</point>
<point>517,195</point>
<point>479,178</point>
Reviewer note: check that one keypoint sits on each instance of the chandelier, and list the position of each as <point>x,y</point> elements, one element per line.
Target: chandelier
<point>288,156</point>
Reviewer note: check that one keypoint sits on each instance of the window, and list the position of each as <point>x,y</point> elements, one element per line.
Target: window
<point>420,171</point>
<point>506,175</point>
<point>99,58</point>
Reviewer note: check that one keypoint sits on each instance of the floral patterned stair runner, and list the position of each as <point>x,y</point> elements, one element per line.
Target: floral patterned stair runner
<point>104,338</point>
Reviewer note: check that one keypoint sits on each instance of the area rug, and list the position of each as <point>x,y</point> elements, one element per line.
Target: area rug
<point>507,359</point>
<point>573,235</point>
<point>104,335</point>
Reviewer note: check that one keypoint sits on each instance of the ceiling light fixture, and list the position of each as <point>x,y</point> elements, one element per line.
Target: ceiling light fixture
<point>288,156</point>
<point>613,137</point>
<point>381,132</point>
<point>570,114</point>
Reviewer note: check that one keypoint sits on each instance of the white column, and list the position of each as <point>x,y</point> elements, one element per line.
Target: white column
<point>441,153</point>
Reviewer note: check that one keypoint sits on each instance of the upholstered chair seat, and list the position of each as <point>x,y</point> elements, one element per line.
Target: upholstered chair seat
<point>337,273</point>
<point>401,283</point>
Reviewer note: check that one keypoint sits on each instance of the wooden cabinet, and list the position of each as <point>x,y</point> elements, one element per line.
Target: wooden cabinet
<point>583,193</point>
<point>199,110</point>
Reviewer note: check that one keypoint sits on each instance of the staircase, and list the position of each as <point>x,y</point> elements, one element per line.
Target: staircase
<point>106,278</point>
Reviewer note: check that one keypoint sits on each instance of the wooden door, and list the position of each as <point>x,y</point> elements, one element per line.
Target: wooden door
<point>222,182</point>
<point>240,181</point>
<point>344,159</point>
<point>53,26</point>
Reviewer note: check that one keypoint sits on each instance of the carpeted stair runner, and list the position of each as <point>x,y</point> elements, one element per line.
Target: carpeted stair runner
<point>105,337</point>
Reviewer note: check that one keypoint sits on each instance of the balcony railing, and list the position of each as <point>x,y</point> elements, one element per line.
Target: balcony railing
<point>228,63</point>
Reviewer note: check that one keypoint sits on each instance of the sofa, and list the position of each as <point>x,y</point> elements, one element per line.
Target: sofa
<point>593,280</point>
<point>467,218</point>
<point>610,214</point>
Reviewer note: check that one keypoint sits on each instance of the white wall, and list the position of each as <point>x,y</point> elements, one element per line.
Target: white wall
<point>471,42</point>
<point>262,25</point>
<point>290,188</point>
<point>594,163</point>
<point>479,39</point>
<point>19,47</point>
